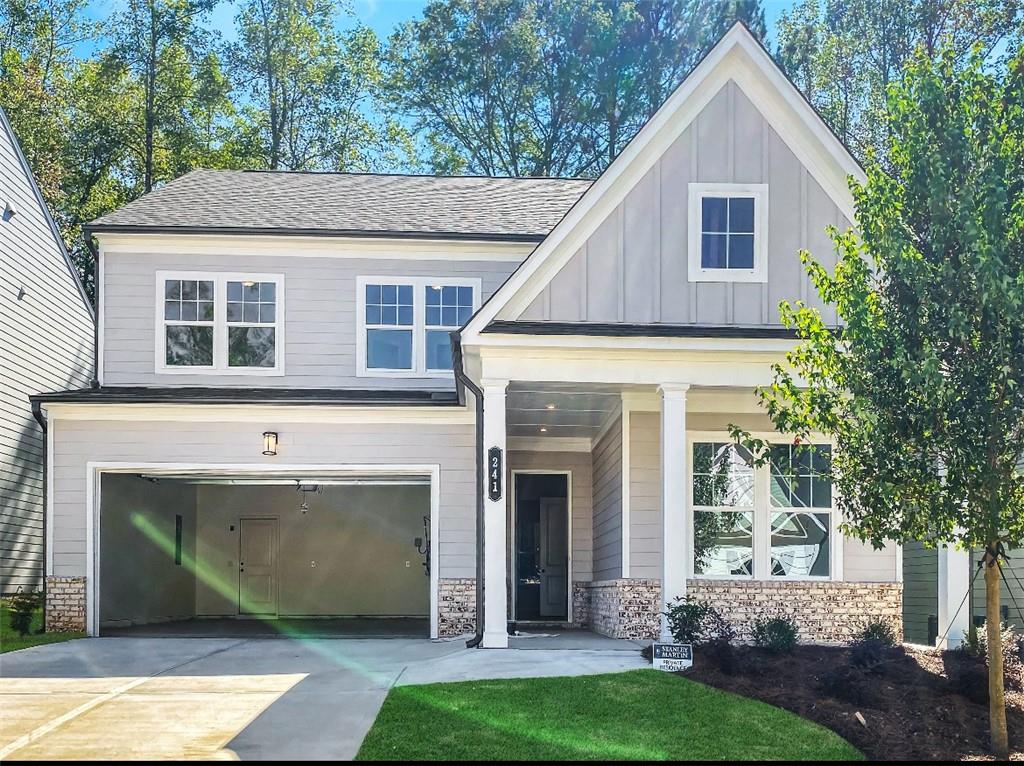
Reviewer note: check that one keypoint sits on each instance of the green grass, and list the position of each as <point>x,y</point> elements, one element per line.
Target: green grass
<point>640,715</point>
<point>10,640</point>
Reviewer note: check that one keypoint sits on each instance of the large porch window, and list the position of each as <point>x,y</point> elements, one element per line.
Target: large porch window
<point>775,521</point>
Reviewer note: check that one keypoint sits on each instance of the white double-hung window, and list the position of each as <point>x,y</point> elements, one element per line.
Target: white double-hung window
<point>405,324</point>
<point>765,522</point>
<point>218,323</point>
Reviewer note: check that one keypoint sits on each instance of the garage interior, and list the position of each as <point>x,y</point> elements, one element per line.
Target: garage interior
<point>241,556</point>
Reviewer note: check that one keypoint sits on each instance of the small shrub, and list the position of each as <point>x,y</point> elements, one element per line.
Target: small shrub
<point>23,606</point>
<point>778,634</point>
<point>869,653</point>
<point>648,652</point>
<point>876,630</point>
<point>688,620</point>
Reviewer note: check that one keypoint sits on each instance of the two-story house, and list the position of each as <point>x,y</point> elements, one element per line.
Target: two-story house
<point>397,401</point>
<point>46,342</point>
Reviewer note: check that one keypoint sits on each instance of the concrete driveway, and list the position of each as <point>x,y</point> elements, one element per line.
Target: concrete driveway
<point>138,698</point>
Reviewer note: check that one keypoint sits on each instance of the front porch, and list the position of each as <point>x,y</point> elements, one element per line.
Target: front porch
<point>626,450</point>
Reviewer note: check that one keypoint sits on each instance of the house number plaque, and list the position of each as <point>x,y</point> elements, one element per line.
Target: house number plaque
<point>495,472</point>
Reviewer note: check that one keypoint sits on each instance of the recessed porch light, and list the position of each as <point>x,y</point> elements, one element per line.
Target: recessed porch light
<point>543,430</point>
<point>550,406</point>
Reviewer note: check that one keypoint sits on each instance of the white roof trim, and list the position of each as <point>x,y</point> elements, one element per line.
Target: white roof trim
<point>739,57</point>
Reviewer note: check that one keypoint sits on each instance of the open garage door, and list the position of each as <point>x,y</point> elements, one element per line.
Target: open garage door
<point>200,555</point>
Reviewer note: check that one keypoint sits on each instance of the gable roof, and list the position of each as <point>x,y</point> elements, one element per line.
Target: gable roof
<point>5,124</point>
<point>739,57</point>
<point>283,202</point>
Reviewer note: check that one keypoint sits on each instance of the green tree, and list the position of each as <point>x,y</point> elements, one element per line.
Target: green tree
<point>843,54</point>
<point>312,88</point>
<point>922,384</point>
<point>546,87</point>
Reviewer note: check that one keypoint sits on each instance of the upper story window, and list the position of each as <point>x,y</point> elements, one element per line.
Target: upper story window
<point>771,522</point>
<point>219,323</point>
<point>728,241</point>
<point>405,324</point>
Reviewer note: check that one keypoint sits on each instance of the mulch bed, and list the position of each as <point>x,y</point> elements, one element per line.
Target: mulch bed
<point>916,705</point>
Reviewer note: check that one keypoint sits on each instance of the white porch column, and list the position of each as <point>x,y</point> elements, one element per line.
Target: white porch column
<point>674,483</point>
<point>495,541</point>
<point>954,581</point>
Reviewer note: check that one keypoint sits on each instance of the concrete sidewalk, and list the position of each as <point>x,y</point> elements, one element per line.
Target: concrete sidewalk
<point>107,698</point>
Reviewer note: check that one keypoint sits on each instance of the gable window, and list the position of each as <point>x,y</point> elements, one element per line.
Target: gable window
<point>406,324</point>
<point>219,323</point>
<point>769,522</point>
<point>728,241</point>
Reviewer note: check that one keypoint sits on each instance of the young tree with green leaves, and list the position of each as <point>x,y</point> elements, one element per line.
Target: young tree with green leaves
<point>922,383</point>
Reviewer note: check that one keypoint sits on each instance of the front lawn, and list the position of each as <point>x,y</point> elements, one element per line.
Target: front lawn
<point>10,640</point>
<point>640,715</point>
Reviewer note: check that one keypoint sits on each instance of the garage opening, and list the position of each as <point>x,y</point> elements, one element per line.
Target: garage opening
<point>241,556</point>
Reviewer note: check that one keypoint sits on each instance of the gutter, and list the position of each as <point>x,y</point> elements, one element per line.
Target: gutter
<point>114,228</point>
<point>464,382</point>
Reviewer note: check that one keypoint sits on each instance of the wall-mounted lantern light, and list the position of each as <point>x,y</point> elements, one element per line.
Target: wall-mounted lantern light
<point>269,442</point>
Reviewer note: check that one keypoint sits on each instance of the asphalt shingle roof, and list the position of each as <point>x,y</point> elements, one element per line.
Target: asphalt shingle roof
<point>339,203</point>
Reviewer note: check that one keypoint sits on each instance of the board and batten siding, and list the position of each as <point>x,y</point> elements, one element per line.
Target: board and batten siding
<point>582,526</point>
<point>320,322</point>
<point>861,563</point>
<point>46,344</point>
<point>607,467</point>
<point>1011,590</point>
<point>634,267</point>
<point>451,446</point>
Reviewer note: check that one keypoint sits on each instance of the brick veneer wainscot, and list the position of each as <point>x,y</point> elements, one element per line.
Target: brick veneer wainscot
<point>65,604</point>
<point>825,612</point>
<point>456,607</point>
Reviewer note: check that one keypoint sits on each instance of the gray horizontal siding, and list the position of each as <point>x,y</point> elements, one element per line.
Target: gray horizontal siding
<point>1011,590</point>
<point>451,446</point>
<point>607,467</point>
<point>320,315</point>
<point>579,465</point>
<point>645,528</point>
<point>46,343</point>
<point>633,268</point>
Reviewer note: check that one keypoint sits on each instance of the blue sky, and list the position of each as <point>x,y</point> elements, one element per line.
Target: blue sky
<point>380,15</point>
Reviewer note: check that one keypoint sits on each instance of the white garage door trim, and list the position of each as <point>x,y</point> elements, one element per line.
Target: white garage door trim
<point>94,470</point>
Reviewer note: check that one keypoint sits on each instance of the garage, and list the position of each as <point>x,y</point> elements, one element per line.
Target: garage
<point>207,553</point>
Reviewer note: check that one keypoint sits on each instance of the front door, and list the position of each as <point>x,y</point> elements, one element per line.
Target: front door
<point>553,559</point>
<point>257,567</point>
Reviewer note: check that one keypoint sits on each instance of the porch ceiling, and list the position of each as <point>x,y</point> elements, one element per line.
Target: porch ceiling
<point>543,410</point>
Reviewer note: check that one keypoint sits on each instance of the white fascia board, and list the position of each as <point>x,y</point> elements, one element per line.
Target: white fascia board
<point>313,247</point>
<point>618,343</point>
<point>258,413</point>
<point>736,57</point>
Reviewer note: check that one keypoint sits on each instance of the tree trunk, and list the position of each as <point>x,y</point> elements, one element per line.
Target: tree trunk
<point>996,695</point>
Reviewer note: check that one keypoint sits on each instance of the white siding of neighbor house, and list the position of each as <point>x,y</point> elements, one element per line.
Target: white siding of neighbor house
<point>46,343</point>
<point>861,563</point>
<point>320,323</point>
<point>607,462</point>
<point>579,465</point>
<point>634,267</point>
<point>451,446</point>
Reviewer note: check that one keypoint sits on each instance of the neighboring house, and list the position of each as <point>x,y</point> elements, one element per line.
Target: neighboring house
<point>46,342</point>
<point>944,591</point>
<point>279,430</point>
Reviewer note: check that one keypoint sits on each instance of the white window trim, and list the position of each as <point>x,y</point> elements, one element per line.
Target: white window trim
<point>220,324</point>
<point>762,510</point>
<point>419,325</point>
<point>698,191</point>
